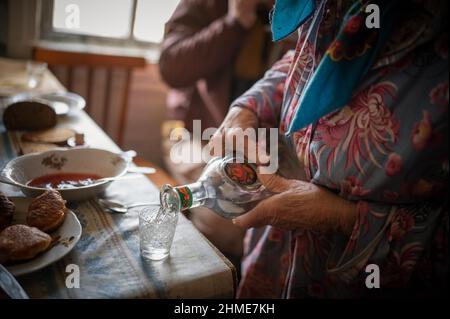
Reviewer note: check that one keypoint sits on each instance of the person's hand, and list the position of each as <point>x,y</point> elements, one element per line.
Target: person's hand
<point>300,205</point>
<point>244,11</point>
<point>224,140</point>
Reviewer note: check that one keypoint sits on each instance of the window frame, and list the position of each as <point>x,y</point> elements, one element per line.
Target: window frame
<point>49,34</point>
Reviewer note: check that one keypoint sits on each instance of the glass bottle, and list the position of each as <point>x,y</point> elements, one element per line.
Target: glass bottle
<point>225,186</point>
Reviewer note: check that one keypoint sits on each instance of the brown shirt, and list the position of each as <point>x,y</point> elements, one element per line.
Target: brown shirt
<point>201,43</point>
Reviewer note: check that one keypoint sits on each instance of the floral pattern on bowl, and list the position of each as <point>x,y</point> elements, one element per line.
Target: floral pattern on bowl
<point>53,161</point>
<point>78,160</point>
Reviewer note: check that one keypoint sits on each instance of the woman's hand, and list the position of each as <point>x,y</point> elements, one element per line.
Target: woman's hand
<point>300,205</point>
<point>238,118</point>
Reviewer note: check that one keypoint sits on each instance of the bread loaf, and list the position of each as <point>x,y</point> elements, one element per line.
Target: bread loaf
<point>29,115</point>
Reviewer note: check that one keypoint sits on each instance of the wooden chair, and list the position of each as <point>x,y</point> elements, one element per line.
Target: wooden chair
<point>71,60</point>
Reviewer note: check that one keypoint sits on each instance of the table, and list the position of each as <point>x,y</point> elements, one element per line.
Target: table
<point>13,79</point>
<point>108,251</point>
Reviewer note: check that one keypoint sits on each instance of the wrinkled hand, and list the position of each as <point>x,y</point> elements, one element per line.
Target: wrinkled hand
<point>224,140</point>
<point>300,205</point>
<point>244,11</point>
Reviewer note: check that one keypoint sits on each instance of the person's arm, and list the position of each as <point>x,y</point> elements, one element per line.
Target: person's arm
<point>258,107</point>
<point>196,47</point>
<point>265,97</point>
<point>296,204</point>
<point>393,237</point>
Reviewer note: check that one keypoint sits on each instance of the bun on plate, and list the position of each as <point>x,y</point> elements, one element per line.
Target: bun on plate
<point>22,242</point>
<point>47,211</point>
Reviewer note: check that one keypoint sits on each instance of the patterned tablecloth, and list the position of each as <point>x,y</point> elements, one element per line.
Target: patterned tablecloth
<point>108,251</point>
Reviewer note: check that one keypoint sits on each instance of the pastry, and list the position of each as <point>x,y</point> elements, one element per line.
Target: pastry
<point>53,135</point>
<point>22,242</point>
<point>47,211</point>
<point>6,211</point>
<point>29,115</point>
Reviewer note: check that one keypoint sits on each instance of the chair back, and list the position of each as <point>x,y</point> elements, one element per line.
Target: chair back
<point>70,61</point>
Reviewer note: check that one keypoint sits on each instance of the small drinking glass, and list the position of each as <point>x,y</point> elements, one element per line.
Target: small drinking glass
<point>35,73</point>
<point>156,230</point>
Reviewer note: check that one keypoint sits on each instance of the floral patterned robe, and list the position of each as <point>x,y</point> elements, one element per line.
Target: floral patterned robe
<point>386,150</point>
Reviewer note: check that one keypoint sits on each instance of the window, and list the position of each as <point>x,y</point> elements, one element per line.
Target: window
<point>110,21</point>
<point>151,16</point>
<point>104,18</point>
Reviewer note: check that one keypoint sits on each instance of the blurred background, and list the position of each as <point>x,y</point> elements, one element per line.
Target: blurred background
<point>131,29</point>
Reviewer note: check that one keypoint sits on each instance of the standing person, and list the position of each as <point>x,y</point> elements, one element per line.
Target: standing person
<point>213,51</point>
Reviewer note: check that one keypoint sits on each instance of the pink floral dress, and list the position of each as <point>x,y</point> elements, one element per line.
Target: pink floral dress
<point>387,151</point>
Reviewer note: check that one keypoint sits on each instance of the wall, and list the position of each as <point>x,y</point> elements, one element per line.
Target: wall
<point>23,27</point>
<point>3,26</point>
<point>147,113</point>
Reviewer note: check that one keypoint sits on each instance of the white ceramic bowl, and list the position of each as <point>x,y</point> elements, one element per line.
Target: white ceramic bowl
<point>79,160</point>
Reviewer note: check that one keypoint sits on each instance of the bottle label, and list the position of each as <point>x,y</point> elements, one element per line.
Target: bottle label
<point>241,173</point>
<point>185,195</point>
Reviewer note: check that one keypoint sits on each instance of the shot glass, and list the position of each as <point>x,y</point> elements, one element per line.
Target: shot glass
<point>35,73</point>
<point>156,230</point>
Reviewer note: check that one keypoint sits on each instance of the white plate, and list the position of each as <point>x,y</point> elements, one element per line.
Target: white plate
<point>63,102</point>
<point>69,233</point>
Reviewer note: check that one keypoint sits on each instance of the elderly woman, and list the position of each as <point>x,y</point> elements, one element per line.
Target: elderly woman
<point>366,112</point>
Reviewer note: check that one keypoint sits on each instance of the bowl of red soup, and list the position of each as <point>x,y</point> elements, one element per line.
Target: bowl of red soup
<point>76,173</point>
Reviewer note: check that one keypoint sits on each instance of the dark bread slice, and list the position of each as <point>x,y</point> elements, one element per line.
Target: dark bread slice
<point>29,115</point>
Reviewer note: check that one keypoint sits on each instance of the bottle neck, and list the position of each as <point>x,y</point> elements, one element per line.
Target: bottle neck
<point>191,195</point>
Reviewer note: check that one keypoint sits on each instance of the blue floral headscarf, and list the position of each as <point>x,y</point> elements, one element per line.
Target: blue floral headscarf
<point>350,56</point>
